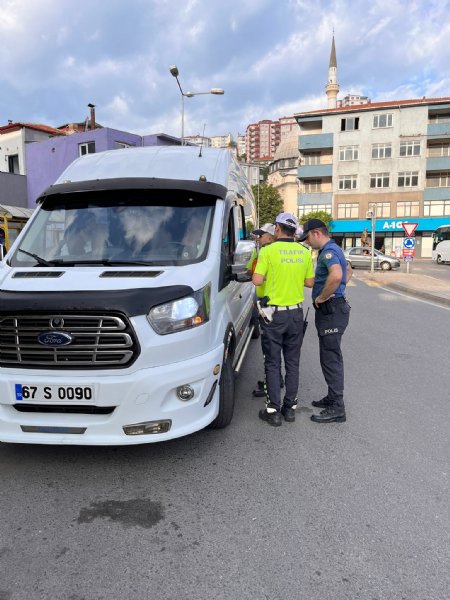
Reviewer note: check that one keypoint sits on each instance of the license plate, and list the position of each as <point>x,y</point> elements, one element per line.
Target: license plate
<point>53,393</point>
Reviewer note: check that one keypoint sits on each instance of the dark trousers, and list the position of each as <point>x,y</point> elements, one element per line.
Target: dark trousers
<point>284,334</point>
<point>330,328</point>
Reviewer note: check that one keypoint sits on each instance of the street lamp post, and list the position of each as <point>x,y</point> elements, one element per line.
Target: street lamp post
<point>216,91</point>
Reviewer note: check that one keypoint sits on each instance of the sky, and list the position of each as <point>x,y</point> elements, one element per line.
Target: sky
<point>270,56</point>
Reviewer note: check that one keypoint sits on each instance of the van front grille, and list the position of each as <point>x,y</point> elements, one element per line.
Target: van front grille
<point>85,340</point>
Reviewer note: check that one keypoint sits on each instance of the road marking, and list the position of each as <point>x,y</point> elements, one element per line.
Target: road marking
<point>351,284</point>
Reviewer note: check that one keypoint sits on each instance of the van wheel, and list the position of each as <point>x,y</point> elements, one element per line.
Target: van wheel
<point>439,259</point>
<point>385,266</point>
<point>226,399</point>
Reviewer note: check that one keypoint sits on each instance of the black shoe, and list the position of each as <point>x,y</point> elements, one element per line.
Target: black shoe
<point>323,403</point>
<point>288,414</point>
<point>329,415</point>
<point>259,393</point>
<point>273,419</point>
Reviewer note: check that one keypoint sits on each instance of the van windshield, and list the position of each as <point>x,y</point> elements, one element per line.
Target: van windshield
<point>166,227</point>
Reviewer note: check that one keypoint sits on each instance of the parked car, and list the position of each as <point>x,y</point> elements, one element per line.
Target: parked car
<point>361,257</point>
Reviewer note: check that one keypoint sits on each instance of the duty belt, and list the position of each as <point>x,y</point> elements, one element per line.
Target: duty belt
<point>291,307</point>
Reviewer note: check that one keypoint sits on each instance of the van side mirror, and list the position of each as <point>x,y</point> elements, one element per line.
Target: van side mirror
<point>241,257</point>
<point>2,251</point>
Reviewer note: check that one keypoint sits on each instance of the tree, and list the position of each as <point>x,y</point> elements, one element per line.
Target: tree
<point>318,214</point>
<point>270,202</point>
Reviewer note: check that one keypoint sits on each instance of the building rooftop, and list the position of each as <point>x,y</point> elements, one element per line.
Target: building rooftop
<point>35,126</point>
<point>373,106</point>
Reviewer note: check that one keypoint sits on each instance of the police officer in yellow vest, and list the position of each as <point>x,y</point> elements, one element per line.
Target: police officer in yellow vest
<point>285,268</point>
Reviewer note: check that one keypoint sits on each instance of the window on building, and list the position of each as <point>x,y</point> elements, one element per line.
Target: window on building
<point>382,209</point>
<point>410,148</point>
<point>305,209</point>
<point>381,150</point>
<point>436,208</point>
<point>13,164</point>
<point>348,182</point>
<point>312,158</point>
<point>379,180</point>
<point>313,186</point>
<point>350,124</point>
<point>383,120</point>
<point>408,209</point>
<point>442,118</point>
<point>86,148</point>
<point>439,149</point>
<point>438,180</point>
<point>408,179</point>
<point>349,153</point>
<point>348,211</point>
<point>119,145</point>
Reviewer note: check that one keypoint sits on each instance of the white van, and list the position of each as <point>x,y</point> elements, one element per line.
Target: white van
<point>123,309</point>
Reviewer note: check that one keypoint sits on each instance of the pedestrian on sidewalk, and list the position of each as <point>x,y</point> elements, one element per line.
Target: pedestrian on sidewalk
<point>331,318</point>
<point>285,268</point>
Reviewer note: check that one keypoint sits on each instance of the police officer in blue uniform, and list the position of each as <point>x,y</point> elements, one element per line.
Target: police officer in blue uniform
<point>331,318</point>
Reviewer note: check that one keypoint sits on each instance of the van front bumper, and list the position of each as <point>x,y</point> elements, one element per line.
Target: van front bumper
<point>143,396</point>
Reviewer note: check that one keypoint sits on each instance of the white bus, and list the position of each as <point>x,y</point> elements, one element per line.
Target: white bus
<point>441,244</point>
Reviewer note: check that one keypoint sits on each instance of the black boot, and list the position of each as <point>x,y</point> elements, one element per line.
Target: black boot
<point>330,415</point>
<point>272,418</point>
<point>323,403</point>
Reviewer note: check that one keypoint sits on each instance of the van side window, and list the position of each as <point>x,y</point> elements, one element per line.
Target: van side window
<point>228,245</point>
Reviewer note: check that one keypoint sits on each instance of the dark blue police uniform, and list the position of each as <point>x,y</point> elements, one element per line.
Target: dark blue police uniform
<point>331,320</point>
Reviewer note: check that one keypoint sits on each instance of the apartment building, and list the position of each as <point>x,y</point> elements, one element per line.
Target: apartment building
<point>262,139</point>
<point>221,141</point>
<point>240,144</point>
<point>393,157</point>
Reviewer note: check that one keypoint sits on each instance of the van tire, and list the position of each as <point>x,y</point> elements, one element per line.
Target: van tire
<point>439,259</point>
<point>226,396</point>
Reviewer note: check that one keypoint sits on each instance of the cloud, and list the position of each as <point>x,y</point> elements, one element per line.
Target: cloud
<point>271,58</point>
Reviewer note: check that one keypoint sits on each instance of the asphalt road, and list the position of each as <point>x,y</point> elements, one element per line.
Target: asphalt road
<point>304,512</point>
<point>428,267</point>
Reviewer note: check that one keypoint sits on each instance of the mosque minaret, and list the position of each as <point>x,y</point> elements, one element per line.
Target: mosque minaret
<point>332,87</point>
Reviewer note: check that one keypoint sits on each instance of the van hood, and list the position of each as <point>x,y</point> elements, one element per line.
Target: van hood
<point>130,290</point>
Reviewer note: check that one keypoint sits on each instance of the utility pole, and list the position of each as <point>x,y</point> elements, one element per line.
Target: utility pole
<point>372,215</point>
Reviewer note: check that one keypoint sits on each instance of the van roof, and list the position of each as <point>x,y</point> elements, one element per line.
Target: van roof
<point>162,162</point>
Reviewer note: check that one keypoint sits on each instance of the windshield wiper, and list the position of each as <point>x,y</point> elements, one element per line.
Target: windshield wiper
<point>40,261</point>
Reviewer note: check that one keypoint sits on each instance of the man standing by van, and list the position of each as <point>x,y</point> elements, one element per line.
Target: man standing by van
<point>285,268</point>
<point>332,317</point>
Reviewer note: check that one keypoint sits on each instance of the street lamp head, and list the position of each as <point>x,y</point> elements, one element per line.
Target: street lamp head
<point>174,71</point>
<point>217,91</point>
<point>189,94</point>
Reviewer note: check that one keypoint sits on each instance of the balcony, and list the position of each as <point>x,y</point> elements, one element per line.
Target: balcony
<point>438,163</point>
<point>315,171</point>
<point>438,130</point>
<point>436,193</point>
<point>315,198</point>
<point>315,141</point>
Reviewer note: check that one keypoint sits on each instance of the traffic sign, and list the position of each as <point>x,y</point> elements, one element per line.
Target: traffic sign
<point>408,258</point>
<point>409,242</point>
<point>410,228</point>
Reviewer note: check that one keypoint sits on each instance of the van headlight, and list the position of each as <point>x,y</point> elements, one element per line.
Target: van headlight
<point>186,313</point>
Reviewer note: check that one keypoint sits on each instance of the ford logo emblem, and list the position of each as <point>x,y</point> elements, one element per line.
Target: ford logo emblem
<point>54,339</point>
